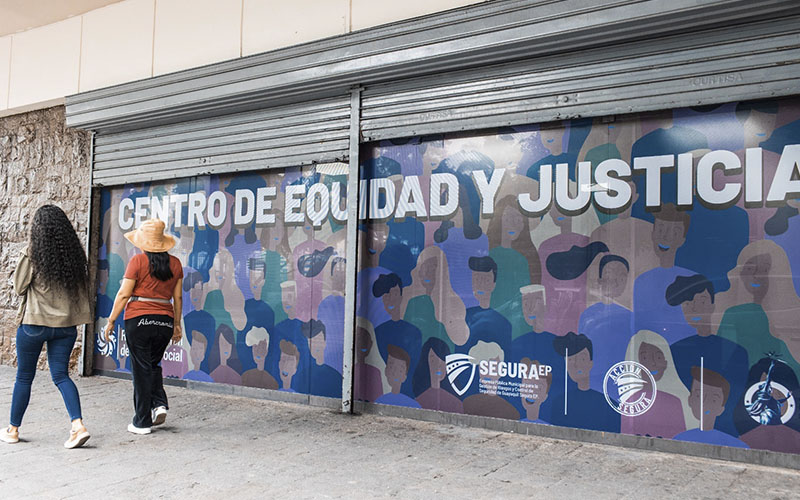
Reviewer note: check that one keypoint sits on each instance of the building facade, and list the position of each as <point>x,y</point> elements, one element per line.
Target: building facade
<point>559,218</point>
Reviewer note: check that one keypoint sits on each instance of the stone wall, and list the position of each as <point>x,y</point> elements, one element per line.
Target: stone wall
<point>41,161</point>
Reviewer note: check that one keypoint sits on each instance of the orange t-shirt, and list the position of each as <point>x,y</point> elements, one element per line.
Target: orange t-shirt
<point>147,286</point>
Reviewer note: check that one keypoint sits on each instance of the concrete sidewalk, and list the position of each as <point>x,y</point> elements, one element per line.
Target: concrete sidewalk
<point>216,446</point>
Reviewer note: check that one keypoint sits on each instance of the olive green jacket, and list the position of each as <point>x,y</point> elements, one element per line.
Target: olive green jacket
<point>46,306</point>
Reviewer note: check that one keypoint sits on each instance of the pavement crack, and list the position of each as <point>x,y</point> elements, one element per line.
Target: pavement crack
<point>496,469</point>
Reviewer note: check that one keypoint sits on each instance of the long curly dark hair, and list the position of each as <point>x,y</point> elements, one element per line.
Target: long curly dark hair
<point>56,253</point>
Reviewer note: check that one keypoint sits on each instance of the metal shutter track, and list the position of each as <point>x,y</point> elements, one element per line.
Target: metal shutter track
<point>300,134</point>
<point>760,60</point>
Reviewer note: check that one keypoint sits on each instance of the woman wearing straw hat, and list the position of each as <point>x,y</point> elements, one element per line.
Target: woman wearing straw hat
<point>52,279</point>
<point>151,294</point>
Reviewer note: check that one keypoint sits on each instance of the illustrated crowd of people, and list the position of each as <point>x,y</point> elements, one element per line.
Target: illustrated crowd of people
<point>706,299</point>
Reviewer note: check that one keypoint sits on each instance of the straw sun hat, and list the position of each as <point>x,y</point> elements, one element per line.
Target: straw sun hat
<point>150,237</point>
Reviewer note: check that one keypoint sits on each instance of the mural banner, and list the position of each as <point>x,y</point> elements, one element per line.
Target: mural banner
<point>263,304</point>
<point>638,275</point>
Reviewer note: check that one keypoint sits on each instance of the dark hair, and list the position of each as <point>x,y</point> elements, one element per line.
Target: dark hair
<point>573,344</point>
<point>670,213</point>
<point>548,378</point>
<point>714,379</point>
<point>707,108</point>
<point>310,265</point>
<point>422,375</point>
<point>608,259</point>
<point>226,332</point>
<point>684,288</point>
<point>202,322</point>
<point>380,167</point>
<point>193,337</point>
<point>287,347</point>
<point>779,222</point>
<point>191,280</point>
<point>571,263</point>
<point>57,256</point>
<point>523,244</point>
<point>398,353</point>
<point>743,109</point>
<point>102,265</point>
<point>386,282</point>
<point>483,265</point>
<point>441,233</point>
<point>159,265</point>
<point>314,327</point>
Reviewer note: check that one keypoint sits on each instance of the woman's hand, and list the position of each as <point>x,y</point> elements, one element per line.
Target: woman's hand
<point>107,331</point>
<point>176,333</point>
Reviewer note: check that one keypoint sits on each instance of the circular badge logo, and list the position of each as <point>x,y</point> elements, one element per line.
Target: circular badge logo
<point>766,407</point>
<point>629,388</point>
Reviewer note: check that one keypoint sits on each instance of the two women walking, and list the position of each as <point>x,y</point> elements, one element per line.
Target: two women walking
<point>52,279</point>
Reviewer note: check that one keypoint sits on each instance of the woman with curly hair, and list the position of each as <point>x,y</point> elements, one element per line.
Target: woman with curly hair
<point>152,296</point>
<point>52,279</point>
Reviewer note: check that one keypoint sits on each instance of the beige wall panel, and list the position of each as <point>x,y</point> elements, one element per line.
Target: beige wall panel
<point>45,63</point>
<point>368,13</point>
<point>5,68</point>
<point>117,44</point>
<point>191,33</point>
<point>269,25</point>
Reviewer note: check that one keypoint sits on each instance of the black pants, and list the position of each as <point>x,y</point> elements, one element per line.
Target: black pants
<point>148,337</point>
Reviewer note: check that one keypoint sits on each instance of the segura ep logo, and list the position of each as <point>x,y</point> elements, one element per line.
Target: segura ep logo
<point>458,364</point>
<point>629,388</point>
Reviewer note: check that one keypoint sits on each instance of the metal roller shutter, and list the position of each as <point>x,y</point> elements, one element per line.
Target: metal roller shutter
<point>491,32</point>
<point>299,134</point>
<point>751,61</point>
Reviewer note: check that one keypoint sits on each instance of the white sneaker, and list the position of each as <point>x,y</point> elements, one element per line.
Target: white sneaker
<point>159,415</point>
<point>139,430</point>
<point>9,437</point>
<point>77,438</point>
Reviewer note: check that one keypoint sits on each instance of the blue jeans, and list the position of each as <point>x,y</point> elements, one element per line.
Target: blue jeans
<point>30,339</point>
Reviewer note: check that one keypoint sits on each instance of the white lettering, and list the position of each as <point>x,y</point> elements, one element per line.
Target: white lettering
<point>197,205</point>
<point>450,183</point>
<point>783,184</point>
<point>609,183</point>
<point>542,204</point>
<point>583,195</point>
<point>264,204</point>
<point>486,189</point>
<point>318,203</point>
<point>685,171</point>
<point>293,203</point>
<point>141,210</point>
<point>705,173</point>
<point>411,200</point>
<point>753,176</point>
<point>376,186</point>
<point>653,165</point>
<point>217,209</point>
<point>178,200</point>
<point>124,217</point>
<point>244,207</point>
<point>159,209</point>
<point>339,214</point>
